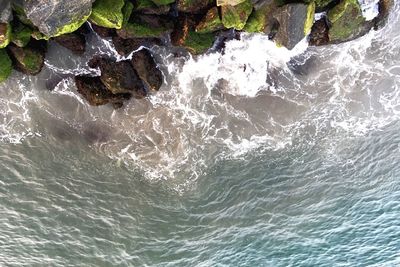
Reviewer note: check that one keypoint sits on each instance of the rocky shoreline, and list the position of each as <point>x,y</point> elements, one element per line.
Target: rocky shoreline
<point>26,27</point>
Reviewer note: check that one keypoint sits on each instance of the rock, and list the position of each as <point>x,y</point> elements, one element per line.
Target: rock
<point>104,32</point>
<point>119,77</point>
<point>236,16</point>
<point>163,2</point>
<point>295,22</point>
<point>262,20</point>
<point>146,68</point>
<point>107,13</point>
<point>127,12</point>
<point>150,8</point>
<point>5,65</point>
<point>145,26</point>
<point>57,17</point>
<point>5,34</point>
<point>185,36</point>
<point>29,59</point>
<point>193,6</point>
<point>346,21</point>
<point>211,22</point>
<point>384,9</point>
<point>319,33</point>
<point>5,11</point>
<point>125,46</point>
<point>21,34</point>
<point>73,41</point>
<point>94,91</point>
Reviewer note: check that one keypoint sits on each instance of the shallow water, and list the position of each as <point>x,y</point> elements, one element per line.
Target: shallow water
<point>257,157</point>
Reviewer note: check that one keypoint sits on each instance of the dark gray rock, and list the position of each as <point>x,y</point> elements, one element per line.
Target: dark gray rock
<point>55,17</point>
<point>5,11</point>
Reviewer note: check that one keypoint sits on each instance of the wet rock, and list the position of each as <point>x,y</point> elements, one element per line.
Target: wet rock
<point>95,92</point>
<point>5,65</point>
<point>56,17</point>
<point>107,13</point>
<point>73,41</point>
<point>295,22</point>
<point>104,32</point>
<point>145,26</point>
<point>211,22</point>
<point>119,77</point>
<point>163,2</point>
<point>236,16</point>
<point>147,70</point>
<point>194,6</point>
<point>346,21</point>
<point>5,11</point>
<point>150,8</point>
<point>125,46</point>
<point>384,8</point>
<point>262,20</point>
<point>127,12</point>
<point>184,35</point>
<point>29,59</point>
<point>21,34</point>
<point>5,34</point>
<point>319,33</point>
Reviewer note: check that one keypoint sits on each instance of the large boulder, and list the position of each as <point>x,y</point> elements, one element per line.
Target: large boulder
<point>108,13</point>
<point>5,65</point>
<point>346,21</point>
<point>94,91</point>
<point>5,11</point>
<point>29,59</point>
<point>236,16</point>
<point>57,17</point>
<point>295,22</point>
<point>119,77</point>
<point>5,34</point>
<point>147,70</point>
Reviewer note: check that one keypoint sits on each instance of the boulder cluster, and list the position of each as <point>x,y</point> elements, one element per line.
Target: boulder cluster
<point>27,25</point>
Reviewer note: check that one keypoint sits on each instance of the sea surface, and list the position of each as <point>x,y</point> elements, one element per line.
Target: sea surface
<point>258,156</point>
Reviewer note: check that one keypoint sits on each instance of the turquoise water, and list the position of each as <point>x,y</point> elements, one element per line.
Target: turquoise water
<point>291,161</point>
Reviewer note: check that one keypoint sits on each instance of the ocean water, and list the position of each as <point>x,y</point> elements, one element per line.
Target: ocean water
<point>256,157</point>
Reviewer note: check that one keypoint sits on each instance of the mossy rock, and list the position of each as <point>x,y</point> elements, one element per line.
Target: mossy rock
<point>236,16</point>
<point>28,60</point>
<point>21,34</point>
<point>163,2</point>
<point>127,12</point>
<point>197,43</point>
<point>146,26</point>
<point>346,20</point>
<point>259,20</point>
<point>5,34</point>
<point>5,65</point>
<point>149,7</point>
<point>193,6</point>
<point>108,13</point>
<point>211,22</point>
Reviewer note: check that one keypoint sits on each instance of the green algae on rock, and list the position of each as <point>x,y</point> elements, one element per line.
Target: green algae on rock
<point>28,60</point>
<point>193,6</point>
<point>163,2</point>
<point>5,34</point>
<point>127,12</point>
<point>236,16</point>
<point>346,20</point>
<point>5,65</point>
<point>145,26</point>
<point>211,22</point>
<point>108,13</point>
<point>149,7</point>
<point>260,19</point>
<point>21,34</point>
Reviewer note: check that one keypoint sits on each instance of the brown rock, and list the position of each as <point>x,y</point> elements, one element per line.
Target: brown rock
<point>73,41</point>
<point>147,70</point>
<point>125,46</point>
<point>319,33</point>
